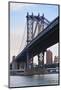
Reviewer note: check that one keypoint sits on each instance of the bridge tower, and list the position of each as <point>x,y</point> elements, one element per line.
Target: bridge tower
<point>29,28</point>
<point>35,23</point>
<point>29,39</point>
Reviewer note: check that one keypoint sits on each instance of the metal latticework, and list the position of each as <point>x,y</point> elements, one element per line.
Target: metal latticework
<point>39,22</point>
<point>35,23</point>
<point>29,28</point>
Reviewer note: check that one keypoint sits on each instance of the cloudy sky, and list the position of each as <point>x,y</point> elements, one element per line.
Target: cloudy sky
<point>18,12</point>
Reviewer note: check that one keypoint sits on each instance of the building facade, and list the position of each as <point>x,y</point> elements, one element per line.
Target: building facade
<point>49,57</point>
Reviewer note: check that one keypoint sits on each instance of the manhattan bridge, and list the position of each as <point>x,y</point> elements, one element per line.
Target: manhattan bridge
<point>41,34</point>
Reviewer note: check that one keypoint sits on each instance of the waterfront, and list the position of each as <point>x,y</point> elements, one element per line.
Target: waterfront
<point>46,79</point>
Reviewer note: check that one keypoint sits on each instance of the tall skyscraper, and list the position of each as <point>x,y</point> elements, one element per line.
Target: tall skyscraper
<point>48,57</point>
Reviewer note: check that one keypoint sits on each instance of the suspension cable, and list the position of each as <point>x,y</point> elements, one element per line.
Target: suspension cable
<point>23,40</point>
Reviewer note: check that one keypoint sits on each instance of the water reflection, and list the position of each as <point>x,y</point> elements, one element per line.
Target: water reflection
<point>18,81</point>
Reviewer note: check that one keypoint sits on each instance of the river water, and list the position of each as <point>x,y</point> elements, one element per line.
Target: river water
<point>47,79</point>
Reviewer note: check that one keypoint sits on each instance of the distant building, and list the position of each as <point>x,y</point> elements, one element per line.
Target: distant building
<point>49,57</point>
<point>56,59</point>
<point>14,64</point>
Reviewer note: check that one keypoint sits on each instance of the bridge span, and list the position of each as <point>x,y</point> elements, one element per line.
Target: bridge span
<point>48,37</point>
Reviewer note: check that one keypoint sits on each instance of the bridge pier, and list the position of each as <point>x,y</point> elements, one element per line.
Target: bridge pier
<point>41,59</point>
<point>29,60</point>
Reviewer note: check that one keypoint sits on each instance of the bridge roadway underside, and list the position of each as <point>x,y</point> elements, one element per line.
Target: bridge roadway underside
<point>48,37</point>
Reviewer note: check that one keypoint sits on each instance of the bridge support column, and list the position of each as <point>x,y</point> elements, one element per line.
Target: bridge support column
<point>41,59</point>
<point>29,60</point>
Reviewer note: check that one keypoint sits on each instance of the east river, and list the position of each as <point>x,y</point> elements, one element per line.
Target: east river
<point>46,79</point>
